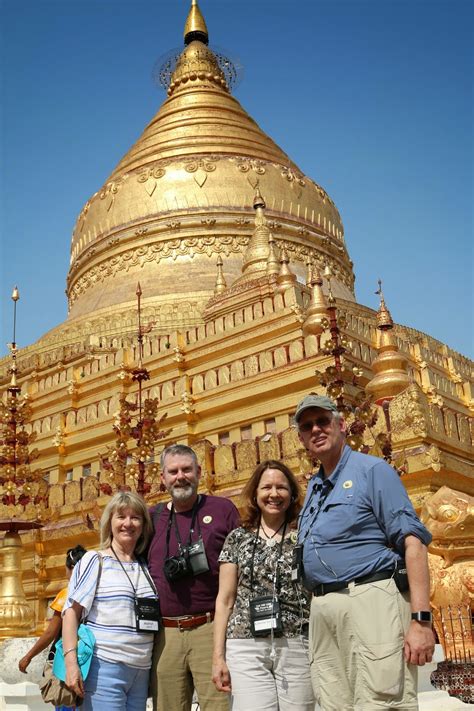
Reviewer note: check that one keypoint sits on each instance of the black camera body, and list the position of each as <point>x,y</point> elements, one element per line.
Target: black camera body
<point>176,567</point>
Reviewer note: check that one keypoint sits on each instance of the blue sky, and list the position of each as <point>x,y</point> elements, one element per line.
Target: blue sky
<point>371,98</point>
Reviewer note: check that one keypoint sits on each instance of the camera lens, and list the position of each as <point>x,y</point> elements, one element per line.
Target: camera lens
<point>176,567</point>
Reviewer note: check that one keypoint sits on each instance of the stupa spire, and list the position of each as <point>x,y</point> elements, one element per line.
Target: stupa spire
<point>390,366</point>
<point>195,27</point>
<point>273,263</point>
<point>285,278</point>
<point>257,252</point>
<point>221,284</point>
<point>317,313</point>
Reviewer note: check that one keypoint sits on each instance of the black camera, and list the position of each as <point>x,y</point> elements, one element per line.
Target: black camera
<point>176,567</point>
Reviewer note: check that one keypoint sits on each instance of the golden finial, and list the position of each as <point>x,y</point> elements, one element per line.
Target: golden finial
<point>285,278</point>
<point>195,27</point>
<point>258,200</point>
<point>273,263</point>
<point>221,284</point>
<point>257,253</point>
<point>390,366</point>
<point>384,318</point>
<point>309,271</point>
<point>317,309</point>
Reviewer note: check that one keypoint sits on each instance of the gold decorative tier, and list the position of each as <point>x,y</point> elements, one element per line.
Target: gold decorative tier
<point>183,194</point>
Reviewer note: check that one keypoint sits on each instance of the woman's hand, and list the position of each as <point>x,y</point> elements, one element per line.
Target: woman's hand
<point>74,678</point>
<point>221,675</point>
<point>23,663</point>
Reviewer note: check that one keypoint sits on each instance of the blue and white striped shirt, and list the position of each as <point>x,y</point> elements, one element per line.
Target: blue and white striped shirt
<point>110,610</point>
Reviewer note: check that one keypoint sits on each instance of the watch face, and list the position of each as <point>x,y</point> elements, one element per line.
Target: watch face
<point>422,616</point>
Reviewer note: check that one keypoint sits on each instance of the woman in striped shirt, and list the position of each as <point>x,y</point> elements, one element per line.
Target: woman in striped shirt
<point>108,589</point>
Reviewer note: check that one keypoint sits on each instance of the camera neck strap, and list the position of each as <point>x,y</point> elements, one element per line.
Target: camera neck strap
<point>172,520</point>
<point>276,579</point>
<point>142,568</point>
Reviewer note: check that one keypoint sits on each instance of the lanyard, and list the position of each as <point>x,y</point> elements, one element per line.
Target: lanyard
<point>172,519</point>
<point>144,571</point>
<point>276,580</point>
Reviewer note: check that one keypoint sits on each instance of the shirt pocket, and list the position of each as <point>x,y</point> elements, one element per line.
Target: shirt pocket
<point>339,517</point>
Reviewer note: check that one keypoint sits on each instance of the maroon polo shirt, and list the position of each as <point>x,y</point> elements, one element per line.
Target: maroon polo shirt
<point>216,517</point>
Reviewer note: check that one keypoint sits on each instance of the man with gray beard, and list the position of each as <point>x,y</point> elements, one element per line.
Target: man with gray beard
<point>183,560</point>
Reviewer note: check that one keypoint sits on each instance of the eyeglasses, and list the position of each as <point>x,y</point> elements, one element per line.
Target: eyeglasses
<point>321,422</point>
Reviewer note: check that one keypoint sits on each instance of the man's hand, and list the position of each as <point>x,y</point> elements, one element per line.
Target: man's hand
<point>419,643</point>
<point>221,675</point>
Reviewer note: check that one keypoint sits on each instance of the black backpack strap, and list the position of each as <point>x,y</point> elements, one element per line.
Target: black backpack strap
<point>155,512</point>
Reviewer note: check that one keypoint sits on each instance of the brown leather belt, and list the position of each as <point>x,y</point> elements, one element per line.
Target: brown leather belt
<point>188,622</point>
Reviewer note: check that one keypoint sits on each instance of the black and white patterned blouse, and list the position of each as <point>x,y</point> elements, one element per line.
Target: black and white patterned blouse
<point>294,600</point>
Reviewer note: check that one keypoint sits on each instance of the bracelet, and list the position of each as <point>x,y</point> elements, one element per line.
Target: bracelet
<point>73,649</point>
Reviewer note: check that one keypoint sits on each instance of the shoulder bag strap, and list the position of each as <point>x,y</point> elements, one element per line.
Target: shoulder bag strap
<point>99,573</point>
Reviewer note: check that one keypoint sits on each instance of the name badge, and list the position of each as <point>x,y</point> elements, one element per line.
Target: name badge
<point>147,614</point>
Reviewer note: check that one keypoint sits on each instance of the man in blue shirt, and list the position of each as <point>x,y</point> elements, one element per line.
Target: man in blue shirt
<point>358,531</point>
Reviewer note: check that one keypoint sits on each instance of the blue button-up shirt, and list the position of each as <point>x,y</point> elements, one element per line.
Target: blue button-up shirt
<point>354,523</point>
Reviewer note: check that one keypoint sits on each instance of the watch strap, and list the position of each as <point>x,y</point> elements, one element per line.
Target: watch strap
<point>422,616</point>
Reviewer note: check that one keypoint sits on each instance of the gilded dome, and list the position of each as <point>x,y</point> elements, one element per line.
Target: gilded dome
<point>183,195</point>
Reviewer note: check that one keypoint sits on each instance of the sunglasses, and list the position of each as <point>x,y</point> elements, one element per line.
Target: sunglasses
<point>321,422</point>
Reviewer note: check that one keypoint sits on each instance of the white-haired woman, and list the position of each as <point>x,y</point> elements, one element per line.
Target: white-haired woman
<point>109,588</point>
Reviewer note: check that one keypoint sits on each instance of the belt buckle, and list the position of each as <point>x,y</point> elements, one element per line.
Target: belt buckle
<point>183,628</point>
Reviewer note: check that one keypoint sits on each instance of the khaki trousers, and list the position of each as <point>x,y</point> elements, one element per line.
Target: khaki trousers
<point>182,662</point>
<point>356,639</point>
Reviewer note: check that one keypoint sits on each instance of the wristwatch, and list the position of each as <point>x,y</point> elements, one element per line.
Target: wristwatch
<point>422,616</point>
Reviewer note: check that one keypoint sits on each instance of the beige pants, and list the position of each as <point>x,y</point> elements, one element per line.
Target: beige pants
<point>262,681</point>
<point>182,662</point>
<point>356,640</point>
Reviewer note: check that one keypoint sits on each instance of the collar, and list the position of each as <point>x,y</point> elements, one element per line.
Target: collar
<point>320,479</point>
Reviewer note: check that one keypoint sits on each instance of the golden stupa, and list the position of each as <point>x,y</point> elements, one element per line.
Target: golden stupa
<point>238,254</point>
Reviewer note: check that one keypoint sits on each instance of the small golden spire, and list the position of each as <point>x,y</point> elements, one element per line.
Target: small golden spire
<point>273,263</point>
<point>195,27</point>
<point>285,278</point>
<point>221,284</point>
<point>390,366</point>
<point>258,249</point>
<point>384,317</point>
<point>309,271</point>
<point>317,309</point>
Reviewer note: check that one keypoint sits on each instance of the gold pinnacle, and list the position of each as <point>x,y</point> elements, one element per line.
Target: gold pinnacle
<point>273,263</point>
<point>195,27</point>
<point>285,278</point>
<point>384,317</point>
<point>221,284</point>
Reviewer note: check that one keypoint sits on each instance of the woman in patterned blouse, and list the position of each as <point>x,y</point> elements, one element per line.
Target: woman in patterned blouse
<point>261,621</point>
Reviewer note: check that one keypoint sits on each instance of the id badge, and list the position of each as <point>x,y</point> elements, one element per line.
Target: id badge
<point>297,564</point>
<point>147,614</point>
<point>265,616</point>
